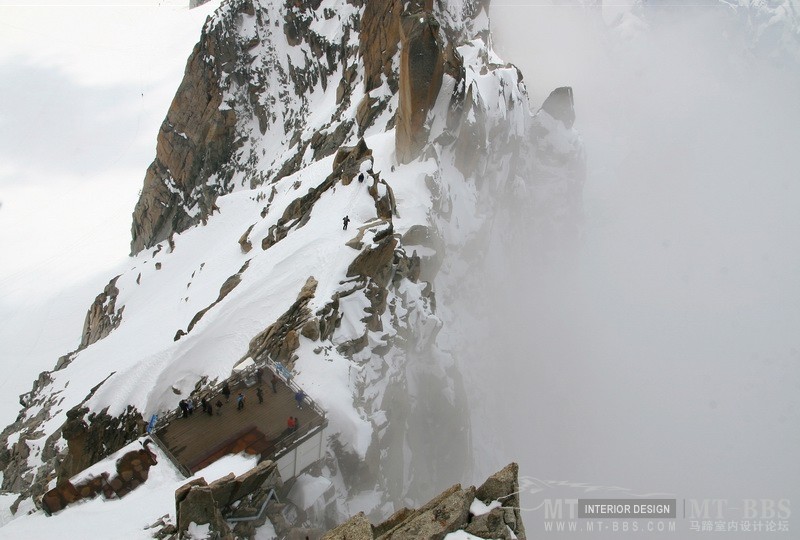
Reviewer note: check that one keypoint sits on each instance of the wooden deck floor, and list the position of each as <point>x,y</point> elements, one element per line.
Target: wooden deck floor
<point>200,439</point>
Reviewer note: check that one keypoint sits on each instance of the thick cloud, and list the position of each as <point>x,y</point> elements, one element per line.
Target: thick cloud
<point>662,356</point>
<point>51,125</point>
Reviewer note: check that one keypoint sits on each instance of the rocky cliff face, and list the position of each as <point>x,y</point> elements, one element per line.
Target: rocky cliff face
<point>103,316</point>
<point>489,511</point>
<point>235,77</point>
<point>195,142</point>
<point>291,116</point>
<point>421,72</point>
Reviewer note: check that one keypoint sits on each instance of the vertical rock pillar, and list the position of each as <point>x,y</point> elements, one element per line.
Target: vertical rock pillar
<point>421,71</point>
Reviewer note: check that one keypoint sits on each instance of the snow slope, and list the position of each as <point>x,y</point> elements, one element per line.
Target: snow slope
<point>146,364</point>
<point>127,518</point>
<point>72,71</point>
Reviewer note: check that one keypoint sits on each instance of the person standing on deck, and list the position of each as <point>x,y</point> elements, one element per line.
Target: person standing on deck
<point>208,407</point>
<point>226,391</point>
<point>274,383</point>
<point>298,397</point>
<point>260,395</point>
<point>240,402</point>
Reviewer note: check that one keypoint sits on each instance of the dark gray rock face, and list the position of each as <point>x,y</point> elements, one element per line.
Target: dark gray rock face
<point>561,106</point>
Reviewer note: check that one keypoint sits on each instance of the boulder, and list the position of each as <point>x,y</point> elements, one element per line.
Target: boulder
<point>375,262</point>
<point>357,527</point>
<point>489,525</point>
<point>198,506</point>
<point>254,479</point>
<point>244,240</point>
<point>503,486</point>
<point>223,490</point>
<point>310,330</point>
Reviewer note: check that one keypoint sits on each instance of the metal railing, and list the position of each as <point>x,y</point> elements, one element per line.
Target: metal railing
<point>289,441</point>
<point>242,376</point>
<point>281,446</point>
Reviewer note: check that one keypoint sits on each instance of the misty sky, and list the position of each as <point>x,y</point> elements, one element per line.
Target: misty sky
<point>666,356</point>
<point>83,91</point>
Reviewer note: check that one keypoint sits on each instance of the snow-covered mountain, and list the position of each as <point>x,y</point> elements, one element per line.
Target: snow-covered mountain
<point>396,115</point>
<point>291,117</point>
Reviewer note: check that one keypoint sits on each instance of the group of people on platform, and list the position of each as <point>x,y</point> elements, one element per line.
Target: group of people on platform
<point>187,405</point>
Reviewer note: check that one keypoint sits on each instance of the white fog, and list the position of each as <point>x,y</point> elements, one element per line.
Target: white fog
<point>662,354</point>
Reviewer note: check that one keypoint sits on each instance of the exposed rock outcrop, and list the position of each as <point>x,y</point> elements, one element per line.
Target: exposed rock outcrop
<point>133,469</point>
<point>103,315</point>
<point>198,506</point>
<point>244,240</point>
<point>503,486</point>
<point>557,164</point>
<point>561,105</point>
<point>375,262</point>
<point>357,527</point>
<point>298,212</point>
<point>449,512</point>
<point>379,40</point>
<point>195,140</point>
<point>279,340</point>
<point>201,503</point>
<point>92,436</point>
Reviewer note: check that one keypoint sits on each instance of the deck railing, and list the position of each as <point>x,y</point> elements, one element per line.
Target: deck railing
<point>213,391</point>
<point>282,445</point>
<point>184,471</point>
